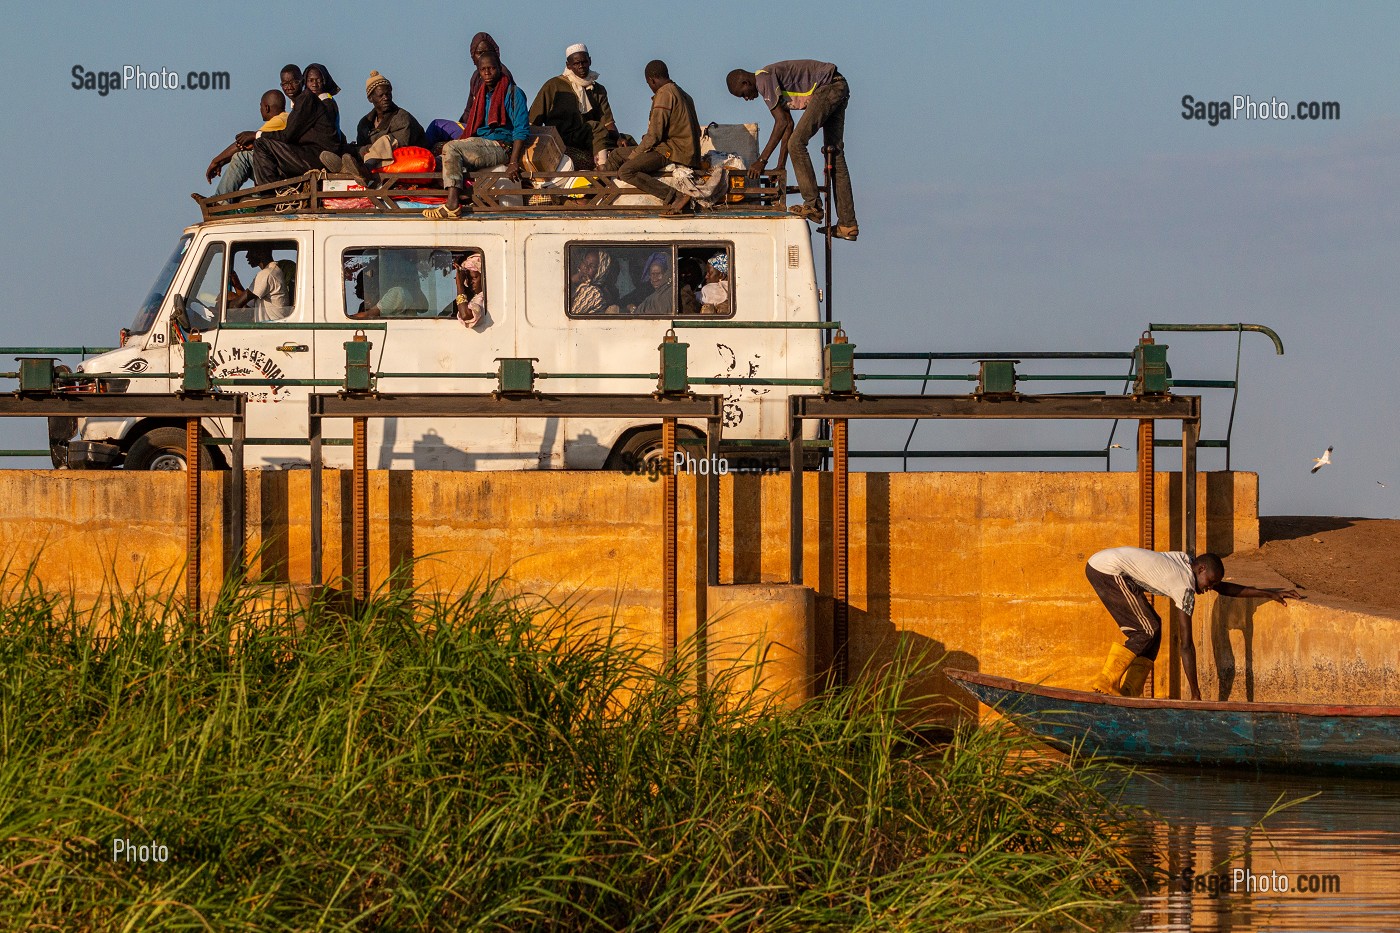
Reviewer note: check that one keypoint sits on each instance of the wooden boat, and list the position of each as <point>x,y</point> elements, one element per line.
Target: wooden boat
<point>1264,736</point>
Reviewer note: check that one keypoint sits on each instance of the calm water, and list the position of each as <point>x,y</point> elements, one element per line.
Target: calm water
<point>1343,846</point>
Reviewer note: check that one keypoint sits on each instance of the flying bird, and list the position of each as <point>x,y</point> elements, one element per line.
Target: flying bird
<point>1324,460</point>
<point>1118,446</point>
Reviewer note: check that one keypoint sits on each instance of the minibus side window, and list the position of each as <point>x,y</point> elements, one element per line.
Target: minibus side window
<point>262,282</point>
<point>662,280</point>
<point>414,282</point>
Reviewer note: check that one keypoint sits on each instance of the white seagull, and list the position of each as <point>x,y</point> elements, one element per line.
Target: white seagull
<point>1324,460</point>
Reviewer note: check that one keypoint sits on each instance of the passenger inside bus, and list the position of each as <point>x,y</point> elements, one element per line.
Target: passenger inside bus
<point>690,277</point>
<point>470,302</point>
<point>653,294</point>
<point>591,291</point>
<point>269,298</point>
<point>714,297</point>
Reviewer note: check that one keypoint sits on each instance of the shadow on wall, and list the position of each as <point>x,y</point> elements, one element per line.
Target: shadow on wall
<point>1228,616</point>
<point>875,641</point>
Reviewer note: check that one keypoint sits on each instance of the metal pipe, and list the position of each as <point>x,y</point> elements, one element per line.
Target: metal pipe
<point>680,323</point>
<point>1212,328</point>
<point>668,540</point>
<point>828,151</point>
<point>998,355</point>
<point>973,454</point>
<point>840,495</point>
<point>359,514</point>
<point>192,515</point>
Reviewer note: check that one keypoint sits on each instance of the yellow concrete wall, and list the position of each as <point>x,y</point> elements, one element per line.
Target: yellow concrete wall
<point>986,568</point>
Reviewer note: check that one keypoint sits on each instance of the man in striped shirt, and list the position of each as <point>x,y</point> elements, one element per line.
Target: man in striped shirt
<point>1123,576</point>
<point>821,93</point>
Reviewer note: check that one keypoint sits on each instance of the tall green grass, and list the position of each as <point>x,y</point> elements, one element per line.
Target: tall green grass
<point>447,765</point>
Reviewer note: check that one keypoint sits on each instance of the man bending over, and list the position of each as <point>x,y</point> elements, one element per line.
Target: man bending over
<point>1123,576</point>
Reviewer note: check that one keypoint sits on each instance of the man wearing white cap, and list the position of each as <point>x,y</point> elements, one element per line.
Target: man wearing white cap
<point>576,105</point>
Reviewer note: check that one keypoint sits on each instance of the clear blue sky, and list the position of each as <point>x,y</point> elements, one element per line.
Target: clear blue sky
<point>1024,177</point>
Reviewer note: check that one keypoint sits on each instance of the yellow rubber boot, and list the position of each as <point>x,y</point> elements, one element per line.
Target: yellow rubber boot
<point>1110,679</point>
<point>1136,676</point>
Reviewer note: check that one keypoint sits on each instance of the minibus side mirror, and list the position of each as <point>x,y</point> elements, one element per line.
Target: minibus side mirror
<point>179,317</point>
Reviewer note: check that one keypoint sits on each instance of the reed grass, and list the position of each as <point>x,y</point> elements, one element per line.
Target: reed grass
<point>429,764</point>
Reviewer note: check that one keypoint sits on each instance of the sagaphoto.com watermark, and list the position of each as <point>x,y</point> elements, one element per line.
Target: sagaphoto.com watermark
<point>1245,881</point>
<point>135,77</point>
<point>1245,107</point>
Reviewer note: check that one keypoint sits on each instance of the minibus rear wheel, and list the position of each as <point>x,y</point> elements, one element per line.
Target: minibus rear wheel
<point>164,449</point>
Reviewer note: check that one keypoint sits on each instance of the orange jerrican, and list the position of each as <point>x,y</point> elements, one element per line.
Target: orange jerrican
<point>410,160</point>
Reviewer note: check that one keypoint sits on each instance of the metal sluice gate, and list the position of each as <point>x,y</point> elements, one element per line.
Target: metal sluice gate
<point>42,393</point>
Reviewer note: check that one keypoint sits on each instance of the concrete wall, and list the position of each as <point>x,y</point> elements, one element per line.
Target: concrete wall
<point>985,569</point>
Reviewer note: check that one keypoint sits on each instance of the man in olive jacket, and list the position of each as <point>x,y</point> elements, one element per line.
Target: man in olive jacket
<point>673,136</point>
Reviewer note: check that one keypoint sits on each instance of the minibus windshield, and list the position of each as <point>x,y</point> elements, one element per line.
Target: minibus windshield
<point>146,314</point>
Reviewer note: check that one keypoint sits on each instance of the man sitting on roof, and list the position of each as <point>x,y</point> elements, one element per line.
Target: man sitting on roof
<point>576,105</point>
<point>673,136</point>
<point>238,159</point>
<point>501,124</point>
<point>385,128</point>
<point>310,131</point>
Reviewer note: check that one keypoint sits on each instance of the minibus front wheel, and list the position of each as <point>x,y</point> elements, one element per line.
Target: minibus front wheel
<point>163,449</point>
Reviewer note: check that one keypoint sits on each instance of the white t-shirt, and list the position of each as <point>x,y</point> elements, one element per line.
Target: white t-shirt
<point>1165,573</point>
<point>270,293</point>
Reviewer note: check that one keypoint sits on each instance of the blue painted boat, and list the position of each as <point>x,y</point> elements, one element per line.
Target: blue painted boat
<point>1265,736</point>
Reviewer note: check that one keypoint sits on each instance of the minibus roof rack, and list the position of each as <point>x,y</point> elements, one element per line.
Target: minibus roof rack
<point>408,195</point>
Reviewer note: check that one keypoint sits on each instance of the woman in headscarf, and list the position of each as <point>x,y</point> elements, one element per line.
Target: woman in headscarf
<point>656,283</point>
<point>590,293</point>
<point>471,290</point>
<point>320,83</point>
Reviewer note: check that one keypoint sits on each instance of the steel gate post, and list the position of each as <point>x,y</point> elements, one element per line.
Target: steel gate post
<point>317,493</point>
<point>238,495</point>
<point>794,494</point>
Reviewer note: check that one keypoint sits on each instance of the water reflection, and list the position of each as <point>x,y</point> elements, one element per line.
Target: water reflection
<point>1329,863</point>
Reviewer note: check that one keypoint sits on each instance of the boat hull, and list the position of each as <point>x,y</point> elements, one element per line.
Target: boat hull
<point>1264,736</point>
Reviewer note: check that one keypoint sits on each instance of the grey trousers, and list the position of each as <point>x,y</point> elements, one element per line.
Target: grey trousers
<point>826,111</point>
<point>639,169</point>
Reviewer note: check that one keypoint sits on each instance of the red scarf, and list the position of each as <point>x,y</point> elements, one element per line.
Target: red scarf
<point>476,115</point>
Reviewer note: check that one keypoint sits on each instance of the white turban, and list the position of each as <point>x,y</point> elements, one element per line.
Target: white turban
<point>576,47</point>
